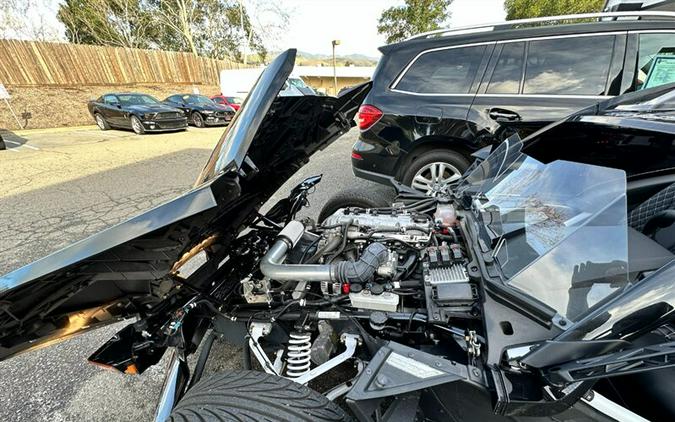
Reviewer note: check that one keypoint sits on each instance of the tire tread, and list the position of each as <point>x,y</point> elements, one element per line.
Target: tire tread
<point>244,396</point>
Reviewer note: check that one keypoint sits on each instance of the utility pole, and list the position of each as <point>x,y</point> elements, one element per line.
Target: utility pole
<point>243,30</point>
<point>334,42</point>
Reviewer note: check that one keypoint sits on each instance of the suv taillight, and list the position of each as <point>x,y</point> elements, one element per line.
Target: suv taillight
<point>368,116</point>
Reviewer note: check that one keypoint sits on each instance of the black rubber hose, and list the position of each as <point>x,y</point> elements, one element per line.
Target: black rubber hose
<point>201,361</point>
<point>362,271</point>
<point>330,245</point>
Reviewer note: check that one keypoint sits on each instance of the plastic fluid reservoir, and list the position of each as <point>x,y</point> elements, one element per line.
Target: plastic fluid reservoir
<point>445,215</point>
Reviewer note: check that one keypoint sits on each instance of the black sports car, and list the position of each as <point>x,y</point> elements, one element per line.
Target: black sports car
<point>138,112</point>
<point>538,287</point>
<point>201,110</point>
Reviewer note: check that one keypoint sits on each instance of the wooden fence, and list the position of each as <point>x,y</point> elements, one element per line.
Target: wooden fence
<point>30,63</point>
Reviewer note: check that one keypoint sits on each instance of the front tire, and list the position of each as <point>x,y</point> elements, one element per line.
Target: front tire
<point>254,396</point>
<point>100,122</point>
<point>433,170</point>
<point>371,196</point>
<point>137,126</point>
<point>197,119</point>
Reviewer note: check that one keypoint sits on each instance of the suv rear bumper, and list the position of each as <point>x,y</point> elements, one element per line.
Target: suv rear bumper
<point>380,178</point>
<point>374,162</point>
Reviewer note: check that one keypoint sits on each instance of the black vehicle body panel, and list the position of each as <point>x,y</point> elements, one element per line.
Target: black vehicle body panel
<point>414,123</point>
<point>222,115</point>
<point>117,273</point>
<point>166,118</point>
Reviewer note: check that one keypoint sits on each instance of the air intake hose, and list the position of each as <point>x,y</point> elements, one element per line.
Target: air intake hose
<point>272,265</point>
<point>361,271</point>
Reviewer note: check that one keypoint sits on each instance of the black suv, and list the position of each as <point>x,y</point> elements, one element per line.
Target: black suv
<point>439,97</point>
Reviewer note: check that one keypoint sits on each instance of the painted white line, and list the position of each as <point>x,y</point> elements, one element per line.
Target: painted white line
<point>11,149</point>
<point>31,147</point>
<point>11,142</point>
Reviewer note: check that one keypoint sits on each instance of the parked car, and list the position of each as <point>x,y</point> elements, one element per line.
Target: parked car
<point>202,111</point>
<point>227,100</point>
<point>138,112</point>
<point>518,294</point>
<point>440,96</point>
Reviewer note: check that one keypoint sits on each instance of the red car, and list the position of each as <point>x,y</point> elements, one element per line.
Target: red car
<point>233,102</point>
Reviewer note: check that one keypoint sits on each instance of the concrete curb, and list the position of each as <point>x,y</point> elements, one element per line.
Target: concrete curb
<point>54,130</point>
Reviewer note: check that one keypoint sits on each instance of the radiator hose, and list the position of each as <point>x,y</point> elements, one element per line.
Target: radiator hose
<point>359,271</point>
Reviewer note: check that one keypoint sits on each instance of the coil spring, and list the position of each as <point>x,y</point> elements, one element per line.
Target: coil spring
<point>298,354</point>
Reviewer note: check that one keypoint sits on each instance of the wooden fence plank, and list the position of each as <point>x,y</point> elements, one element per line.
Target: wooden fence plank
<point>25,63</point>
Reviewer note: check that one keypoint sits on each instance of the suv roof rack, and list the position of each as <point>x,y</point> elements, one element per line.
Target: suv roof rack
<point>514,23</point>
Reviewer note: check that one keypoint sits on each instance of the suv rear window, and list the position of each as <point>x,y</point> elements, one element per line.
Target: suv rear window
<point>568,66</point>
<point>449,71</point>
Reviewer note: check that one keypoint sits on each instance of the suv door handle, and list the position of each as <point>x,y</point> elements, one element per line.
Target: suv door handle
<point>501,115</point>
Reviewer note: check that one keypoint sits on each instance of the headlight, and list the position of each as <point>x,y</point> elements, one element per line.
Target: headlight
<point>149,116</point>
<point>208,111</point>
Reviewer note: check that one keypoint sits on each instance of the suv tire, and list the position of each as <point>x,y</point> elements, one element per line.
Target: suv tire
<point>254,396</point>
<point>451,163</point>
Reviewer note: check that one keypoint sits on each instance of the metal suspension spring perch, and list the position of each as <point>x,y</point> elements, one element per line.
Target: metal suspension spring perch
<point>298,356</point>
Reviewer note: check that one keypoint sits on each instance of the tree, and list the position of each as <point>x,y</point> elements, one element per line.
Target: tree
<point>120,23</point>
<point>522,9</point>
<point>414,17</point>
<point>213,28</point>
<point>27,19</point>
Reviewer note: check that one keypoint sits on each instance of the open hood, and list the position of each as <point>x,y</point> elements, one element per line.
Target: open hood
<point>127,269</point>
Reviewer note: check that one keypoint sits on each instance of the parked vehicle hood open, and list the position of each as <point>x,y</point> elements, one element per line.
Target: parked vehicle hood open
<point>127,268</point>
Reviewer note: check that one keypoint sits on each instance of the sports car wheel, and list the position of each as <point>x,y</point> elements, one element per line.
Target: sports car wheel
<point>137,126</point>
<point>254,396</point>
<point>197,119</point>
<point>100,122</point>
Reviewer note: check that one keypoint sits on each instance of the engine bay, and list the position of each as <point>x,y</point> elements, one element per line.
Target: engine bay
<point>368,274</point>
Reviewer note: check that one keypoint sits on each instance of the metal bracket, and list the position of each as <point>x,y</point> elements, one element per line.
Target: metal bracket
<point>350,341</point>
<point>258,330</point>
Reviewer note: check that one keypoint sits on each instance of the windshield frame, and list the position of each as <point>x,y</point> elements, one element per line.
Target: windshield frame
<point>528,224</point>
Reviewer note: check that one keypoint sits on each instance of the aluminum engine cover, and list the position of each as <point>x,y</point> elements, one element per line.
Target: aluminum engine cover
<point>399,221</point>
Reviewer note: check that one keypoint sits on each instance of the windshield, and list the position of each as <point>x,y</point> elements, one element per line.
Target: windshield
<point>136,99</point>
<point>558,230</point>
<point>197,99</point>
<point>234,100</point>
<point>297,82</point>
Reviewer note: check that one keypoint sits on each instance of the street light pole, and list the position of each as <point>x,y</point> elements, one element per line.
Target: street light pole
<point>334,42</point>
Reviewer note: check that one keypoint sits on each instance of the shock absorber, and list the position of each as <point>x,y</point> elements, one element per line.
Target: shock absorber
<point>298,354</point>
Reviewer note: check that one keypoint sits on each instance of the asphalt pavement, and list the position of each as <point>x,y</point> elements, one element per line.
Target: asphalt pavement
<point>60,186</point>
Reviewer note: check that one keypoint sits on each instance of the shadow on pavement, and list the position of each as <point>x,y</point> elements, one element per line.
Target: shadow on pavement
<point>9,139</point>
<point>46,219</point>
